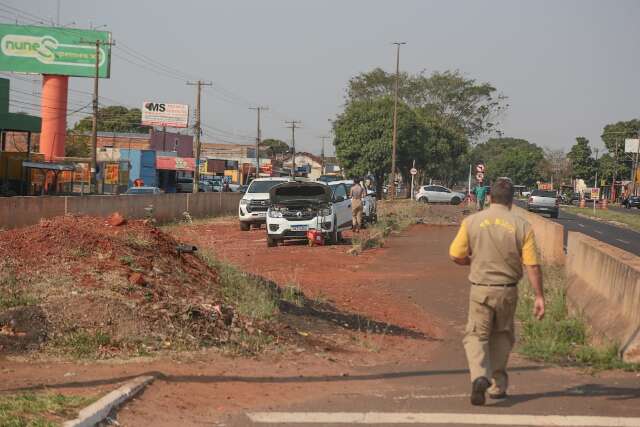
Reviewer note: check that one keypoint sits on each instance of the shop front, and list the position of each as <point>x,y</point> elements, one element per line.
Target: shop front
<point>174,172</point>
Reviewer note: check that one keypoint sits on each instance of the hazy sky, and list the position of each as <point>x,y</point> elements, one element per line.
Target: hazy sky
<point>568,67</point>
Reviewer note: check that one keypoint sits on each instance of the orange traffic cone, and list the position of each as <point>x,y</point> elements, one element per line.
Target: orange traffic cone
<point>604,203</point>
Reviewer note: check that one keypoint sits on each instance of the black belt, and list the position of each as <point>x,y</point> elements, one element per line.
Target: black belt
<point>508,285</point>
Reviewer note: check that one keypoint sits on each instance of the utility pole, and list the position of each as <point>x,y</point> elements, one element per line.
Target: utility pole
<point>322,172</point>
<point>258,138</point>
<point>197,131</point>
<point>394,143</point>
<point>94,122</point>
<point>293,125</point>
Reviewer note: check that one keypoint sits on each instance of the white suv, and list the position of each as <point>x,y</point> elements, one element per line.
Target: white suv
<point>255,201</point>
<point>297,207</point>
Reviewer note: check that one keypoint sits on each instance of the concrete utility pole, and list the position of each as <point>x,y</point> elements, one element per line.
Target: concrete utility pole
<point>94,122</point>
<point>258,138</point>
<point>322,154</point>
<point>197,131</point>
<point>293,126</point>
<point>394,143</point>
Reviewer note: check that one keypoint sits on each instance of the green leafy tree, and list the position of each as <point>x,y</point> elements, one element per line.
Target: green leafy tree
<point>515,158</point>
<point>581,161</point>
<point>450,98</point>
<point>273,147</point>
<point>114,118</point>
<point>77,146</point>
<point>613,136</point>
<point>606,167</point>
<point>363,134</point>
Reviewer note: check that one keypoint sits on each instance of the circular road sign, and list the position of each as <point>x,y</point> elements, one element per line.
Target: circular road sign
<point>413,171</point>
<point>480,168</point>
<point>480,176</point>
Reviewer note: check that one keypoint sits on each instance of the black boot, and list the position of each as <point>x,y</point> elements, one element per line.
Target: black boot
<point>478,390</point>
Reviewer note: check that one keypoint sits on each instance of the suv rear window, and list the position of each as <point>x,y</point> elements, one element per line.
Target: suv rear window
<point>543,193</point>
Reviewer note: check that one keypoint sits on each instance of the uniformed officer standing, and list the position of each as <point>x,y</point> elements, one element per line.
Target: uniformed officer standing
<point>496,243</point>
<point>357,194</point>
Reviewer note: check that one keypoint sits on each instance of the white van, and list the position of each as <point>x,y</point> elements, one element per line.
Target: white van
<point>255,201</point>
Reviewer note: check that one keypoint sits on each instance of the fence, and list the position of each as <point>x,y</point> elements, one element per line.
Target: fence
<point>23,211</point>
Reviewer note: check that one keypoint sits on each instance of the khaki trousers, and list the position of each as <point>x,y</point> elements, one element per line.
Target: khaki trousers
<point>356,213</point>
<point>490,334</point>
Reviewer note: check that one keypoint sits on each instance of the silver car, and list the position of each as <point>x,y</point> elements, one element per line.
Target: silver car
<point>438,194</point>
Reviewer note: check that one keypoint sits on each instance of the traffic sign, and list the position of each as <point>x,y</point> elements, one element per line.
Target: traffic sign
<point>480,176</point>
<point>413,171</point>
<point>480,168</point>
<point>595,193</point>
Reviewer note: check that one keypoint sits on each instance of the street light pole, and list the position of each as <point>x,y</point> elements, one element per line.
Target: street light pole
<point>394,142</point>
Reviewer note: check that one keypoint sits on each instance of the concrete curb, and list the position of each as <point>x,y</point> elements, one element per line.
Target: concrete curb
<point>98,411</point>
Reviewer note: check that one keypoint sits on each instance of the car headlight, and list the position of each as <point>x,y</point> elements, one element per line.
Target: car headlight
<point>326,212</point>
<point>243,202</point>
<point>275,213</point>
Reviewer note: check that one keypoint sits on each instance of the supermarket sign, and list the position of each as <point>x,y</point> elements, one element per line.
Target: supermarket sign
<point>163,114</point>
<point>48,50</point>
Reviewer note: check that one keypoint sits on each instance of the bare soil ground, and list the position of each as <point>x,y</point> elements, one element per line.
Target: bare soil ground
<point>347,319</point>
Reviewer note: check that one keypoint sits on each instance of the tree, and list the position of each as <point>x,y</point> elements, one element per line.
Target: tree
<point>581,161</point>
<point>274,147</point>
<point>449,98</point>
<point>613,136</point>
<point>114,118</point>
<point>363,138</point>
<point>556,166</point>
<point>77,146</point>
<point>606,167</point>
<point>515,158</point>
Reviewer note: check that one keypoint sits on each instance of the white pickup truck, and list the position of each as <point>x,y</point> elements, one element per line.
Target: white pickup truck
<point>544,201</point>
<point>255,202</point>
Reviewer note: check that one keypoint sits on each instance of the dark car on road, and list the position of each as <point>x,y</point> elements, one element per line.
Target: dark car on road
<point>631,202</point>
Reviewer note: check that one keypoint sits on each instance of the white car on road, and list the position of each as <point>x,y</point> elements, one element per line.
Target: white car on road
<point>438,194</point>
<point>297,207</point>
<point>255,201</point>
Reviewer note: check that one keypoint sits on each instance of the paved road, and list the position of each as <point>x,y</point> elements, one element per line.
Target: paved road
<point>436,393</point>
<point>622,238</point>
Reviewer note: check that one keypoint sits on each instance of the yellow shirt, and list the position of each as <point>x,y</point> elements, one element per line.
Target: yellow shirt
<point>498,243</point>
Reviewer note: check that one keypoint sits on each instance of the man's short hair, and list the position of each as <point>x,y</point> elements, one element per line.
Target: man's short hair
<point>502,191</point>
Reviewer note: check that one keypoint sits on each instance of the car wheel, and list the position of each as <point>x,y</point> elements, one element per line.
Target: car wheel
<point>245,226</point>
<point>455,201</point>
<point>554,215</point>
<point>271,242</point>
<point>423,200</point>
<point>335,234</point>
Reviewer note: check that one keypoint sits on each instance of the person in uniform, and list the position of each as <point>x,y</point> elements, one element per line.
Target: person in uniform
<point>496,243</point>
<point>357,194</point>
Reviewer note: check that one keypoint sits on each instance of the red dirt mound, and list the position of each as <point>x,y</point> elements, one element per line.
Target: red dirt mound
<point>129,283</point>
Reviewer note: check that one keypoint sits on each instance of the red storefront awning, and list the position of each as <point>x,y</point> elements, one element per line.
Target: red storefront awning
<point>176,163</point>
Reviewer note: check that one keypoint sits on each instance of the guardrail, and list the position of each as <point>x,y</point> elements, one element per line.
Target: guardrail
<point>23,211</point>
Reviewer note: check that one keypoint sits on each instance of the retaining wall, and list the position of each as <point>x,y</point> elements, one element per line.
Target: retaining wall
<point>549,237</point>
<point>603,286</point>
<point>22,211</point>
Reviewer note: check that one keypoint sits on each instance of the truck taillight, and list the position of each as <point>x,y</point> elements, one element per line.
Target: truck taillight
<point>530,199</point>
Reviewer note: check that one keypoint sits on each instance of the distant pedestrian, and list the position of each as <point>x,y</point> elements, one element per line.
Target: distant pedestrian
<point>496,243</point>
<point>481,194</point>
<point>357,194</point>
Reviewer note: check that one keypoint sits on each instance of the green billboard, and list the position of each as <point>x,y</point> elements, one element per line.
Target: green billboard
<point>46,50</point>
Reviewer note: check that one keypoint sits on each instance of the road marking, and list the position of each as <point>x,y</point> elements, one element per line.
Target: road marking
<point>626,242</point>
<point>437,418</point>
<point>597,231</point>
<point>430,396</point>
<point>581,225</point>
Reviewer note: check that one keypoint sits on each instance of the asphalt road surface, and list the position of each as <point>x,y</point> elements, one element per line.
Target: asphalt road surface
<point>437,393</point>
<point>619,237</point>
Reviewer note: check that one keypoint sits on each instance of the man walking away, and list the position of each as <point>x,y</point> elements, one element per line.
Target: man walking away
<point>496,243</point>
<point>481,194</point>
<point>357,194</point>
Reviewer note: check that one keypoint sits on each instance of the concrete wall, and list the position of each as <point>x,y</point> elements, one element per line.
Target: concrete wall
<point>549,237</point>
<point>603,286</point>
<point>22,211</point>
